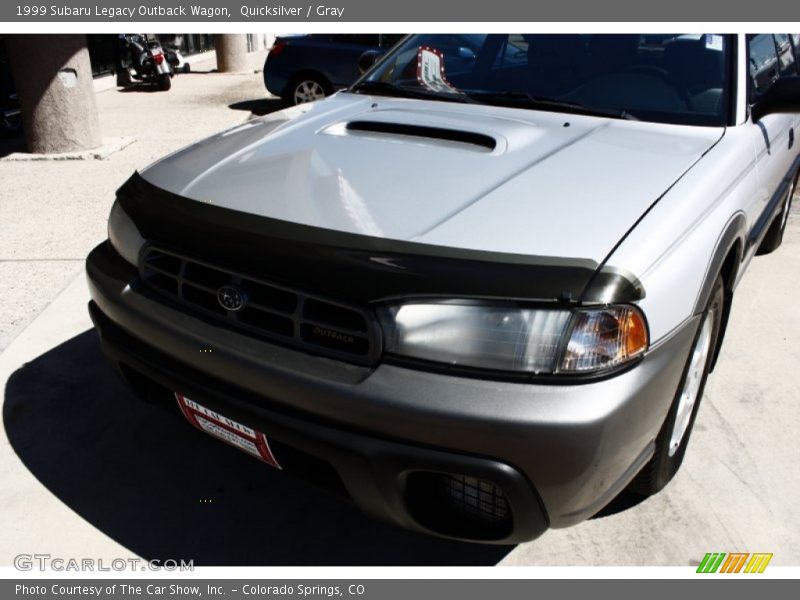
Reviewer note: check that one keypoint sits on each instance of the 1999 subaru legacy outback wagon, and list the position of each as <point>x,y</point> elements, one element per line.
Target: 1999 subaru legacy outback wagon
<point>480,291</point>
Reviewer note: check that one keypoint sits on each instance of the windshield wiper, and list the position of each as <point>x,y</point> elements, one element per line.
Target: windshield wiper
<point>517,99</point>
<point>384,88</point>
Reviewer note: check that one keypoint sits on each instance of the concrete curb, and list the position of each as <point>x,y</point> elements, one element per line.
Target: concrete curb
<point>109,147</point>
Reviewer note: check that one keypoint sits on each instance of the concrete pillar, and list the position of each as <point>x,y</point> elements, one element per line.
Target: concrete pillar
<point>231,52</point>
<point>53,77</point>
<point>263,41</point>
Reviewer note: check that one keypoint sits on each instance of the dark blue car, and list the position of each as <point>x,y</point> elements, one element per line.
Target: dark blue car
<point>302,68</point>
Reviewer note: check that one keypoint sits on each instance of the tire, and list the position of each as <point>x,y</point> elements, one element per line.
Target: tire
<point>164,82</point>
<point>186,68</point>
<point>673,439</point>
<point>306,88</point>
<point>10,127</point>
<point>774,237</point>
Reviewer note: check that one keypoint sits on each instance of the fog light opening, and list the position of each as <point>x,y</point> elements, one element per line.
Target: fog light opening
<point>458,505</point>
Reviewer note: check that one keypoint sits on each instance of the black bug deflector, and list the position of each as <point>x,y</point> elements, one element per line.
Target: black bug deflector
<point>357,268</point>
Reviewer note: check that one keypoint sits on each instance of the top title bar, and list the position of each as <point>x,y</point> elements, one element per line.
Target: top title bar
<point>431,11</point>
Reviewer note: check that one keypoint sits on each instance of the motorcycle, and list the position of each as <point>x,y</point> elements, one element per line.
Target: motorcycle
<point>176,61</point>
<point>10,115</point>
<point>147,60</point>
<point>11,120</point>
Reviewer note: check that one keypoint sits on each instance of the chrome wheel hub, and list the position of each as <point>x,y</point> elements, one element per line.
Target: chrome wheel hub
<point>308,91</point>
<point>691,387</point>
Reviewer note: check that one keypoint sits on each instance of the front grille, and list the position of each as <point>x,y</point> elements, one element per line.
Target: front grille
<point>266,310</point>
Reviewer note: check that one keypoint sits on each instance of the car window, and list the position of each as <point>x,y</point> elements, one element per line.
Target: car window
<point>387,40</point>
<point>670,78</point>
<point>513,53</point>
<point>459,51</point>
<point>763,63</point>
<point>786,58</point>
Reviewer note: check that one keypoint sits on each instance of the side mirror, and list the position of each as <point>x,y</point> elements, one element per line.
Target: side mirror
<point>782,97</point>
<point>367,59</point>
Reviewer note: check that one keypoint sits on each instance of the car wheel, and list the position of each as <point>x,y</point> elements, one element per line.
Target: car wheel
<point>11,126</point>
<point>307,89</point>
<point>774,237</point>
<point>673,438</point>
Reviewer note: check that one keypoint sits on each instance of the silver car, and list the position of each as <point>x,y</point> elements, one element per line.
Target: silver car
<point>479,292</point>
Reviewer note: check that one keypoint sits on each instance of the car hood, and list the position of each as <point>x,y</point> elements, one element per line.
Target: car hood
<point>447,174</point>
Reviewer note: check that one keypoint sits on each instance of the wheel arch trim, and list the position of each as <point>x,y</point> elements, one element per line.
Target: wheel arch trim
<point>733,238</point>
<point>299,74</point>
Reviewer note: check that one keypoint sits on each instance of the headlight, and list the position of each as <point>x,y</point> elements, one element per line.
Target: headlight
<point>604,338</point>
<point>123,234</point>
<point>506,337</point>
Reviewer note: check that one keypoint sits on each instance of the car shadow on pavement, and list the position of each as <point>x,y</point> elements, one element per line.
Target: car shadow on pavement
<point>622,502</point>
<point>260,106</point>
<point>164,490</point>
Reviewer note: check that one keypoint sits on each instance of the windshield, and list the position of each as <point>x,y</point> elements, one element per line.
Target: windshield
<point>668,78</point>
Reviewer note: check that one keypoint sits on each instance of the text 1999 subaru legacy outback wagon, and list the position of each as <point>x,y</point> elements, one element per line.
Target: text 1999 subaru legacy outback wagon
<point>480,291</point>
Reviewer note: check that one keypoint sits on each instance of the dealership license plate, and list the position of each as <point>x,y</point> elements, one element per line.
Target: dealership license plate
<point>227,430</point>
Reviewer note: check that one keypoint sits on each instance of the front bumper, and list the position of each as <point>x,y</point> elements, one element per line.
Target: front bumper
<point>558,452</point>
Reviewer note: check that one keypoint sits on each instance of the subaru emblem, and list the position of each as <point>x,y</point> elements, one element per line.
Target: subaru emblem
<point>230,298</point>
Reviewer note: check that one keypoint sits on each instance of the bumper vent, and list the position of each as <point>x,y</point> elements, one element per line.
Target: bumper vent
<point>476,498</point>
<point>459,505</point>
<point>264,309</point>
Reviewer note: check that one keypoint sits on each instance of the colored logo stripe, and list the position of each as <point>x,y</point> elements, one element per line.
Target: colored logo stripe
<point>734,562</point>
<point>758,563</point>
<point>713,562</point>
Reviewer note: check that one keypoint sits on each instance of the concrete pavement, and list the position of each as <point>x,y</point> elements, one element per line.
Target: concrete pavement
<point>87,471</point>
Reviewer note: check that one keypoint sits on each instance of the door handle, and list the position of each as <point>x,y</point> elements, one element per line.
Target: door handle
<point>791,138</point>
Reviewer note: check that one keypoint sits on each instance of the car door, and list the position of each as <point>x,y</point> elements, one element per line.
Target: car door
<point>770,57</point>
<point>795,37</point>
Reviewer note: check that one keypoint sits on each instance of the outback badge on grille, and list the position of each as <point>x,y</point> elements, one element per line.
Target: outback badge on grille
<point>334,335</point>
<point>230,298</point>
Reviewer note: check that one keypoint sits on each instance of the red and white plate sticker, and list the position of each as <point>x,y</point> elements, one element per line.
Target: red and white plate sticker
<point>430,70</point>
<point>227,430</point>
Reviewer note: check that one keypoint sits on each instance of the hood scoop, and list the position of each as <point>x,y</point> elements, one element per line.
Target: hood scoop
<point>477,141</point>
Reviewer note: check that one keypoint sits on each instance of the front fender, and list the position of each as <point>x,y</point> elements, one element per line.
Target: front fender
<point>732,238</point>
